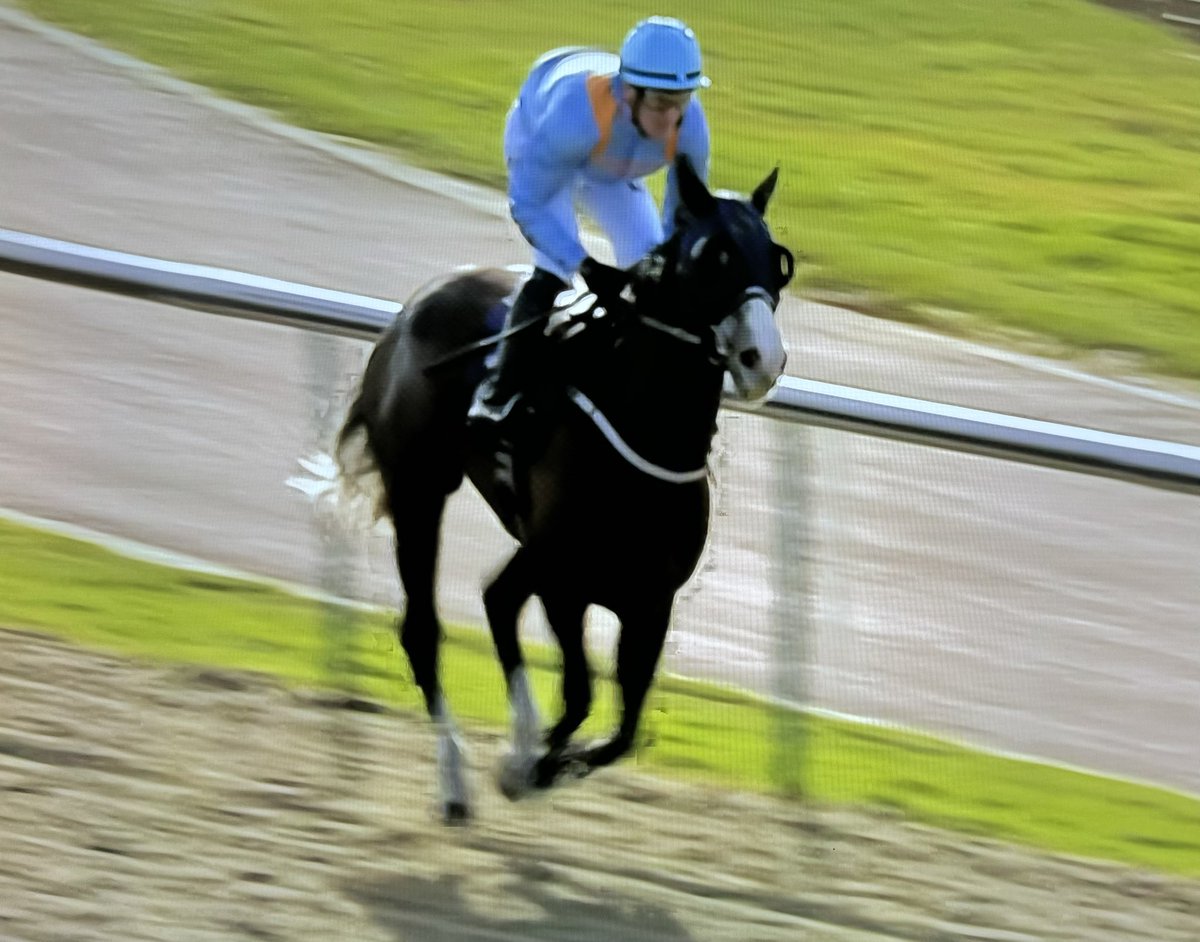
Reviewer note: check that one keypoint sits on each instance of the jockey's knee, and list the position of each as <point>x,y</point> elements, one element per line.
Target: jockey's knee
<point>538,294</point>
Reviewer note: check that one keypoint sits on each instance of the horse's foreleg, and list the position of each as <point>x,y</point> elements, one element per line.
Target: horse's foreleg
<point>417,515</point>
<point>643,634</point>
<point>565,615</point>
<point>503,600</point>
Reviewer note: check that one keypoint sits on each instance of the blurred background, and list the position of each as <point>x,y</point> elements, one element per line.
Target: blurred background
<point>997,664</point>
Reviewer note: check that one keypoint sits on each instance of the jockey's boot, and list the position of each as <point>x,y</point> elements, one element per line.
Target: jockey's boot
<point>497,412</point>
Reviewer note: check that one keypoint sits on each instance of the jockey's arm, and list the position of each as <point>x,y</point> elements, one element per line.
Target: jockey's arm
<point>556,152</point>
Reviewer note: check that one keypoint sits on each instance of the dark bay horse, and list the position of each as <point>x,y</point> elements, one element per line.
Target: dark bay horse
<point>613,508</point>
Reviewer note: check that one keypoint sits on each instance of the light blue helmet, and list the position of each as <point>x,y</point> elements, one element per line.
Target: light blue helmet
<point>662,52</point>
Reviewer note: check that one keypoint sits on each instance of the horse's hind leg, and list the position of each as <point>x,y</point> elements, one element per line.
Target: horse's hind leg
<point>417,515</point>
<point>502,600</point>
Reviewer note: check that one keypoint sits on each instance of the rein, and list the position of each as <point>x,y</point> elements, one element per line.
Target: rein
<point>676,332</point>
<point>485,343</point>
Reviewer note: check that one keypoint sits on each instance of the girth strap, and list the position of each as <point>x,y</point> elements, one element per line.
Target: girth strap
<point>625,451</point>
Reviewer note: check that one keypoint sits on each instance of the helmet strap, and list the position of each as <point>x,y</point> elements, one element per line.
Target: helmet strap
<point>639,95</point>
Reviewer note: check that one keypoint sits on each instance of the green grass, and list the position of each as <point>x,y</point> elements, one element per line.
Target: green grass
<point>93,597</point>
<point>1032,163</point>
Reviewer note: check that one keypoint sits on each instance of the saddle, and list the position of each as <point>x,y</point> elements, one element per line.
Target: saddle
<point>577,332</point>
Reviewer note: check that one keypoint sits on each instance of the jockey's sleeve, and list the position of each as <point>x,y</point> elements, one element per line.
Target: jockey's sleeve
<point>560,141</point>
<point>694,143</point>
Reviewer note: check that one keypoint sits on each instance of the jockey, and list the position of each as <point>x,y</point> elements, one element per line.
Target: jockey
<point>589,126</point>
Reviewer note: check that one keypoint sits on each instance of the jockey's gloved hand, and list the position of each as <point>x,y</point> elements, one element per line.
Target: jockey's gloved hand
<point>605,281</point>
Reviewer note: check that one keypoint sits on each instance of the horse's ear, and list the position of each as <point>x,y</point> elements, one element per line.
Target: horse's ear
<point>693,194</point>
<point>762,195</point>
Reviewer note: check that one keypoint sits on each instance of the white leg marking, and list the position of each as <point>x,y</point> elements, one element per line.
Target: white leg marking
<point>526,721</point>
<point>451,761</point>
<point>516,770</point>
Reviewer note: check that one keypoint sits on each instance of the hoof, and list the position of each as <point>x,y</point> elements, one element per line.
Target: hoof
<point>516,776</point>
<point>456,814</point>
<point>567,764</point>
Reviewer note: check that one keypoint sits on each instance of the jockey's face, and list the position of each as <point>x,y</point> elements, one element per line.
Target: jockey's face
<point>656,112</point>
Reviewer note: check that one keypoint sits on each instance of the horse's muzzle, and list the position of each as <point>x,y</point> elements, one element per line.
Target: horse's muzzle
<point>755,356</point>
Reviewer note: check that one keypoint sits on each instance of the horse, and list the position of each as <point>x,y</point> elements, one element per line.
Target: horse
<point>612,506</point>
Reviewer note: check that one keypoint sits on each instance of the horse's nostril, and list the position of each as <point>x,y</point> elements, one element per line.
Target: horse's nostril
<point>750,358</point>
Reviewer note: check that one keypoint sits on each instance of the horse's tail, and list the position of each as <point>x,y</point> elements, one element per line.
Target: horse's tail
<point>345,487</point>
<point>359,482</point>
<point>358,478</point>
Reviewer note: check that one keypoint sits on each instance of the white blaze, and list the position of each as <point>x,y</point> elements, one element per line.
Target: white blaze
<point>755,349</point>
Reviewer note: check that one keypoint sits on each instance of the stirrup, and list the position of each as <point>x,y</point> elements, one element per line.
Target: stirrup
<point>505,474</point>
<point>488,411</point>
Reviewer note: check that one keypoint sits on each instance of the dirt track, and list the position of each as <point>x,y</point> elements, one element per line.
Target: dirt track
<point>158,803</point>
<point>1024,609</point>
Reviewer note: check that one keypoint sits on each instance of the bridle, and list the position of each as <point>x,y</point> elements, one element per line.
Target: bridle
<point>661,266</point>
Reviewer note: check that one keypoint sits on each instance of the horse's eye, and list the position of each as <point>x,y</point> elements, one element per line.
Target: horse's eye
<point>723,258</point>
<point>787,264</point>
